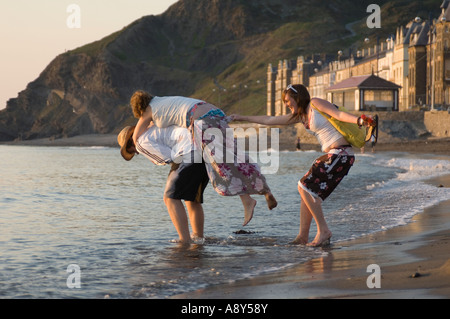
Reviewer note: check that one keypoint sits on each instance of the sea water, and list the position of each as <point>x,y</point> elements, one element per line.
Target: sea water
<point>86,206</point>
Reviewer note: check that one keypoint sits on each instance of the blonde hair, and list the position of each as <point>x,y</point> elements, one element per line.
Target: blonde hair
<point>139,102</point>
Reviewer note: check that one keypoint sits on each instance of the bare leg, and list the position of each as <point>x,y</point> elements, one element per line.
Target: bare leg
<point>197,218</point>
<point>305,224</point>
<point>315,208</point>
<point>271,201</point>
<point>249,206</point>
<point>179,218</point>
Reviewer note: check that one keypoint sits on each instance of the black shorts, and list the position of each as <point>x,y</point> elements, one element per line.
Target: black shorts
<point>187,181</point>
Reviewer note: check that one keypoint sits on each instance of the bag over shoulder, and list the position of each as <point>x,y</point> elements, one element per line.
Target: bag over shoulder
<point>353,134</point>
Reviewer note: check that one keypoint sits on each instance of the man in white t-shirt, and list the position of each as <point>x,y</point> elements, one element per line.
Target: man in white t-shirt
<point>187,179</point>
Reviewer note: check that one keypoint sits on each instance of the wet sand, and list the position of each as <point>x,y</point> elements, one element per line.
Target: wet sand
<point>414,262</point>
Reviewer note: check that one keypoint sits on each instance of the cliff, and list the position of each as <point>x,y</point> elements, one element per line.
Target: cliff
<point>194,48</point>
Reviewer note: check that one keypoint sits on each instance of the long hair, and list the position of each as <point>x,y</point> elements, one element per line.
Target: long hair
<point>301,96</point>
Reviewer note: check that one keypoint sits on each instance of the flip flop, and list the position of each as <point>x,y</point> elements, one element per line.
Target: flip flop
<point>372,130</point>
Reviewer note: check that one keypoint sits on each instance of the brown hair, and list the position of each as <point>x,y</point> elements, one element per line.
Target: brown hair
<point>139,102</point>
<point>301,96</point>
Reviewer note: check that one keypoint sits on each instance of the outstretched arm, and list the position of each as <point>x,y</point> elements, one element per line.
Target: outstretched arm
<point>328,108</point>
<point>263,119</point>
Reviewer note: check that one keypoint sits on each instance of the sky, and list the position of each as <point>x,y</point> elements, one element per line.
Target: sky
<point>34,32</point>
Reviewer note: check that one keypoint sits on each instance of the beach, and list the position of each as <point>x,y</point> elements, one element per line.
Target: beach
<point>413,260</point>
<point>414,263</point>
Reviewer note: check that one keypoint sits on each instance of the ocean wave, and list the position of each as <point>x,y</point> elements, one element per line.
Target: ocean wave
<point>419,169</point>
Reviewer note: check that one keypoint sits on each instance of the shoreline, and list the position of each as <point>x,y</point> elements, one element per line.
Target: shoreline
<point>414,261</point>
<point>433,145</point>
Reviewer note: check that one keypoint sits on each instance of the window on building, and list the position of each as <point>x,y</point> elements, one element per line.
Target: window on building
<point>386,95</point>
<point>379,98</point>
<point>338,98</point>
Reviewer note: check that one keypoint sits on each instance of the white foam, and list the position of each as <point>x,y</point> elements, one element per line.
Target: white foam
<point>419,169</point>
<point>408,194</point>
<point>375,185</point>
<point>394,201</point>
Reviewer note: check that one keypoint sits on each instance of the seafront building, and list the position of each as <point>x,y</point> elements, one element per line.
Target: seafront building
<point>410,69</point>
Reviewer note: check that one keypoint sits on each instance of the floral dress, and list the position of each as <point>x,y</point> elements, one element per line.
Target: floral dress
<point>229,169</point>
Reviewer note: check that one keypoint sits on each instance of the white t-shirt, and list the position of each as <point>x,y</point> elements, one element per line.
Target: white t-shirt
<point>166,145</point>
<point>171,110</point>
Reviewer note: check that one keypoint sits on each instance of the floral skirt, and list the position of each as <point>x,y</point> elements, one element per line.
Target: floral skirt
<point>327,172</point>
<point>229,169</point>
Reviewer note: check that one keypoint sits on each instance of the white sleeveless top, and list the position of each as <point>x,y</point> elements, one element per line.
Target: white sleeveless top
<point>322,129</point>
<point>171,110</point>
